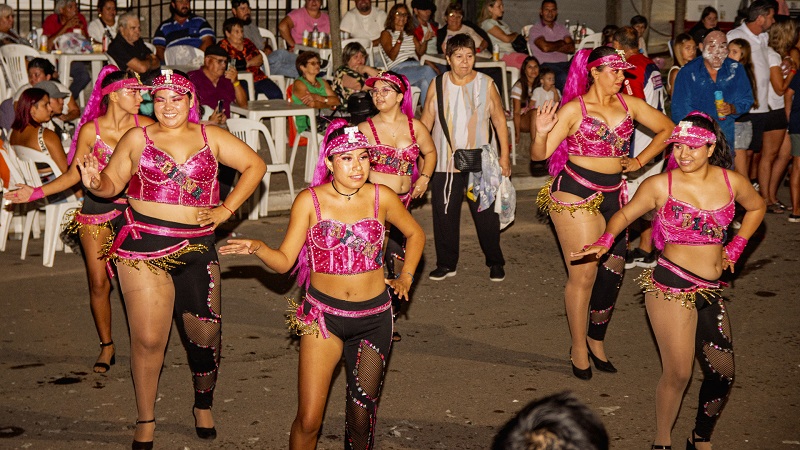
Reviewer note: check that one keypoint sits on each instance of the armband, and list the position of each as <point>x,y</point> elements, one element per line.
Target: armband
<point>37,194</point>
<point>606,240</point>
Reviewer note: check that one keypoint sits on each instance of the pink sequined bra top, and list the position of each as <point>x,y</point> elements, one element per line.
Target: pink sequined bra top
<point>101,150</point>
<point>394,161</point>
<point>596,139</point>
<point>160,179</point>
<point>681,223</point>
<point>345,249</point>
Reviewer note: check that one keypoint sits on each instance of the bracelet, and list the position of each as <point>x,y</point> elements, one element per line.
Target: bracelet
<point>237,83</point>
<point>229,210</point>
<point>425,175</point>
<point>36,194</point>
<point>409,274</point>
<point>735,248</point>
<point>637,160</point>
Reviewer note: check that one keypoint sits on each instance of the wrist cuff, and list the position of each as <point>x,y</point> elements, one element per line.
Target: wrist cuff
<point>36,195</point>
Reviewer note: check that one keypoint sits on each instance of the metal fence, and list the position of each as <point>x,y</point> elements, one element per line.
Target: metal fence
<point>266,13</point>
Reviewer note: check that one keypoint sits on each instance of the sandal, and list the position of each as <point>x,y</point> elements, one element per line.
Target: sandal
<point>693,440</point>
<point>775,208</point>
<point>101,367</point>
<point>396,337</point>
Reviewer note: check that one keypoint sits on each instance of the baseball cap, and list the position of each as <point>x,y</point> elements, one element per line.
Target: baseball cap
<point>216,50</point>
<point>52,89</point>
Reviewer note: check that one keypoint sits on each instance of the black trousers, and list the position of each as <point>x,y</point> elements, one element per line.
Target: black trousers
<point>447,223</point>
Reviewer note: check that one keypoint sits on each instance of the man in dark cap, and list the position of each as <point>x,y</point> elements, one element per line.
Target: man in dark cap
<point>218,84</point>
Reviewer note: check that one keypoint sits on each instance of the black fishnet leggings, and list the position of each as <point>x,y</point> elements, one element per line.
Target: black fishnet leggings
<point>714,351</point>
<point>197,315</point>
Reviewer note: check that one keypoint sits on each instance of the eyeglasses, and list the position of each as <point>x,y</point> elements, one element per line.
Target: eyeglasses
<point>382,92</point>
<point>401,14</point>
<point>455,15</point>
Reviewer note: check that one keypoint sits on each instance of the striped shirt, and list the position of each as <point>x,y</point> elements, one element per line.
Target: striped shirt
<point>407,50</point>
<point>190,32</point>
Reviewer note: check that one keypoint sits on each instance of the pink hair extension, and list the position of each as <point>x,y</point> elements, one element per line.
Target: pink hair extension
<point>576,85</point>
<point>94,108</point>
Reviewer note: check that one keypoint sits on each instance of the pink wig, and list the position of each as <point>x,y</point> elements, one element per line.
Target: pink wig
<point>94,108</point>
<point>576,85</point>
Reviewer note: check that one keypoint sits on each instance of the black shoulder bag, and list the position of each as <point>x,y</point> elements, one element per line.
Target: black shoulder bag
<point>464,160</point>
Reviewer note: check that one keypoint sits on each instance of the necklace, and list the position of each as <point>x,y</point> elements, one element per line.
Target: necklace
<point>347,196</point>
<point>393,131</point>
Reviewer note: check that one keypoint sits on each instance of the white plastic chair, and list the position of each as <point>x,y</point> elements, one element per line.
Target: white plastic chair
<point>183,55</point>
<point>55,213</point>
<point>150,47</point>
<point>525,32</point>
<point>4,89</point>
<point>248,130</point>
<point>206,112</point>
<point>269,36</point>
<point>591,41</point>
<point>15,61</point>
<point>11,214</point>
<point>279,80</point>
<point>415,94</point>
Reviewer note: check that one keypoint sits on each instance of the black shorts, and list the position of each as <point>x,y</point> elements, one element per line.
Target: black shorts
<point>764,122</point>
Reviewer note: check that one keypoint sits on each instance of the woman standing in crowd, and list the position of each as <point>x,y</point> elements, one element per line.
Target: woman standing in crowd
<point>311,89</point>
<point>402,50</point>
<point>521,94</point>
<point>347,300</point>
<point>111,111</point>
<point>397,141</point>
<point>164,252</point>
<point>471,107</point>
<point>683,293</point>
<point>706,24</point>
<point>685,49</point>
<point>587,157</point>
<point>500,32</point>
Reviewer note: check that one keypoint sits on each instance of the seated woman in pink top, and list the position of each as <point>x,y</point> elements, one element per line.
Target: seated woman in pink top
<point>336,234</point>
<point>695,206</point>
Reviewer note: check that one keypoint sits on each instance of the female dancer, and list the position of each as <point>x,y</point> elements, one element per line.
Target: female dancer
<point>347,301</point>
<point>165,250</point>
<point>588,155</point>
<point>695,204</point>
<point>112,110</point>
<point>394,156</point>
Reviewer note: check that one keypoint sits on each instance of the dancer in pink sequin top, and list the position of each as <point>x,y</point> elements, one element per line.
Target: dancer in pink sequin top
<point>335,234</point>
<point>111,111</point>
<point>587,155</point>
<point>164,248</point>
<point>695,204</point>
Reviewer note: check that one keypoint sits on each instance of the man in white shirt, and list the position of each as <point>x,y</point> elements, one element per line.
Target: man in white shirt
<point>760,17</point>
<point>364,21</point>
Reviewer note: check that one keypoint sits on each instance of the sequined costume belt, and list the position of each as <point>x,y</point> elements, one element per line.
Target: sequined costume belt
<point>686,296</point>
<point>622,185</point>
<point>134,229</point>
<point>319,309</point>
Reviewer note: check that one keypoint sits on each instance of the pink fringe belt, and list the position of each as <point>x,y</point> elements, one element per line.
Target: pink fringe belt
<point>319,309</point>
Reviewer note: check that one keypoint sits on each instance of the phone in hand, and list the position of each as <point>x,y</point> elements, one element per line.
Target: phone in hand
<point>219,106</point>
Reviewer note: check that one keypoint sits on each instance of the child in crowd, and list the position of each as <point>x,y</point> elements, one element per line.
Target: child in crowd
<point>739,50</point>
<point>685,49</point>
<point>547,89</point>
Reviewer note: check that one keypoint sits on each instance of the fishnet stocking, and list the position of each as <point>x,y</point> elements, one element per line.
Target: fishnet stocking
<point>362,397</point>
<point>714,350</point>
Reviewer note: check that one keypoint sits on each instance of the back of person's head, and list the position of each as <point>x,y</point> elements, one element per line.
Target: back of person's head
<point>783,35</point>
<point>627,37</point>
<point>557,422</point>
<point>637,19</point>
<point>759,8</point>
<point>608,33</point>
<point>457,42</point>
<point>22,110</point>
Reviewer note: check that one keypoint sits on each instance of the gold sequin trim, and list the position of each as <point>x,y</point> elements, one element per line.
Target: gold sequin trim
<point>546,204</point>
<point>164,263</point>
<point>72,226</point>
<point>687,299</point>
<point>296,325</point>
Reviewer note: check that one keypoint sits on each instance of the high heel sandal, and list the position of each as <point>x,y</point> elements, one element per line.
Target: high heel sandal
<point>204,433</point>
<point>583,374</point>
<point>105,366</point>
<point>660,447</point>
<point>599,364</point>
<point>693,440</point>
<point>139,445</point>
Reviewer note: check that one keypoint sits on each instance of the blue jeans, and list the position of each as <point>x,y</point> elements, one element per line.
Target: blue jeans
<point>281,62</point>
<point>419,76</point>
<point>266,87</point>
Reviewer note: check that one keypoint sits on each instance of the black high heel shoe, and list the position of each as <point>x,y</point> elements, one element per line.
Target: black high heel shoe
<point>603,366</point>
<point>101,365</point>
<point>583,374</point>
<point>139,445</point>
<point>204,433</point>
<point>693,440</point>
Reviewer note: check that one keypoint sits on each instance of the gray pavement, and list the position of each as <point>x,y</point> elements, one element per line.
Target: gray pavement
<point>473,353</point>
